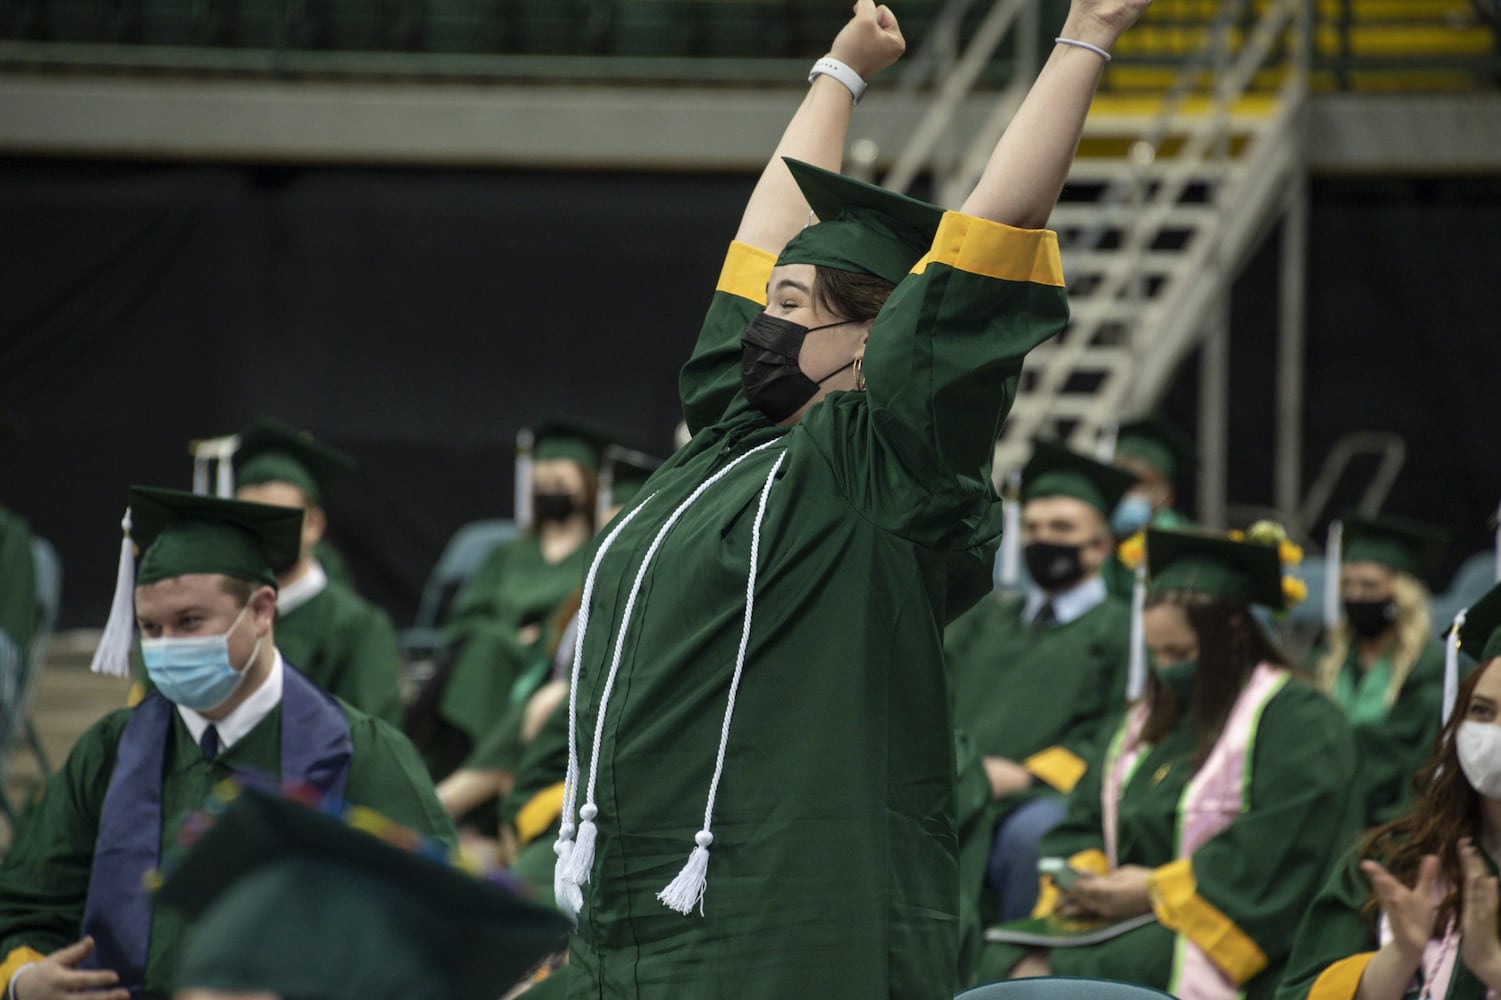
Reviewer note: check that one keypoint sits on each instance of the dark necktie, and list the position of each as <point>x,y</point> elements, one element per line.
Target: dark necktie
<point>209,743</point>
<point>1046,618</point>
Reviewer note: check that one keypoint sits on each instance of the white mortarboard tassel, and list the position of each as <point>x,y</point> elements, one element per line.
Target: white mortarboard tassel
<point>112,657</point>
<point>523,507</point>
<point>1105,443</point>
<point>1136,672</point>
<point>1333,556</point>
<point>1451,666</point>
<point>1011,530</point>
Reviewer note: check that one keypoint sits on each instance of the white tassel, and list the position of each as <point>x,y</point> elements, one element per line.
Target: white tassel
<point>226,476</point>
<point>1451,666</point>
<point>1106,442</point>
<point>113,655</point>
<point>687,890</point>
<point>581,861</point>
<point>1333,556</point>
<point>523,507</point>
<point>567,895</point>
<point>1011,531</point>
<point>1136,673</point>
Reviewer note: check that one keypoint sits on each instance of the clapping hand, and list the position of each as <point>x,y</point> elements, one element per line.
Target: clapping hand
<point>1479,948</point>
<point>1411,912</point>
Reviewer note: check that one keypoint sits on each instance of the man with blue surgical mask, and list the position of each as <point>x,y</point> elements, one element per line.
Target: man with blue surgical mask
<point>75,914</point>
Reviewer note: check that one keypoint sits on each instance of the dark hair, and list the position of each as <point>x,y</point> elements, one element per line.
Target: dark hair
<point>849,294</point>
<point>1445,809</point>
<point>1231,644</point>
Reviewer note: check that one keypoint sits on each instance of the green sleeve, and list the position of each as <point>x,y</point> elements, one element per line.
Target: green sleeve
<point>972,789</point>
<point>388,776</point>
<point>710,380</point>
<point>44,879</point>
<point>1264,869</point>
<point>18,607</point>
<point>1093,724</point>
<point>1390,752</point>
<point>476,598</point>
<point>1332,929</point>
<point>543,763</point>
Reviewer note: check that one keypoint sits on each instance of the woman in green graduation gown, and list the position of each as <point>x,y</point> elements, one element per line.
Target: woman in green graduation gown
<point>1412,911</point>
<point>759,671</point>
<point>1381,663</point>
<point>1219,803</point>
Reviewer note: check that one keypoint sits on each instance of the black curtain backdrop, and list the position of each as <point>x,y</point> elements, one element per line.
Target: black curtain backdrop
<point>419,318</point>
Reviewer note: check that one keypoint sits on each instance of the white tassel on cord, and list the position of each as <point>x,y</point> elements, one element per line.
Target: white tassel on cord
<point>1451,666</point>
<point>687,890</point>
<point>1011,531</point>
<point>581,861</point>
<point>569,897</point>
<point>113,655</point>
<point>1333,556</point>
<point>1136,673</point>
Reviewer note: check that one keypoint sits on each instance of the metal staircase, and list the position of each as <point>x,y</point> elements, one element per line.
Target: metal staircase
<point>1173,188</point>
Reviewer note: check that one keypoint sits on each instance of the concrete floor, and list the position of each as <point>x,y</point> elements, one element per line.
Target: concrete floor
<point>69,699</point>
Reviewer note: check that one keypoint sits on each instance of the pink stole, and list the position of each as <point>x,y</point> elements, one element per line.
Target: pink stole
<point>1216,794</point>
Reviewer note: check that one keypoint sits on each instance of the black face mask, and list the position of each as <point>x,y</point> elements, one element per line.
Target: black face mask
<point>1370,618</point>
<point>769,372</point>
<point>1054,567</point>
<point>553,506</point>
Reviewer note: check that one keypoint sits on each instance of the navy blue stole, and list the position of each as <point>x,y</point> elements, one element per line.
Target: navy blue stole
<point>315,749</point>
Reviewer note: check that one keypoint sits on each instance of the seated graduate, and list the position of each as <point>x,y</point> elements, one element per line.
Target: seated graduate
<point>341,642</point>
<point>502,618</point>
<point>1037,680</point>
<point>1412,910</point>
<point>1218,805</point>
<point>490,770</point>
<point>1381,662</point>
<point>342,907</point>
<point>1159,454</point>
<point>225,704</point>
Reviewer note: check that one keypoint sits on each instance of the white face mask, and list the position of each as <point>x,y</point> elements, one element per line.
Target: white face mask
<point>1479,748</point>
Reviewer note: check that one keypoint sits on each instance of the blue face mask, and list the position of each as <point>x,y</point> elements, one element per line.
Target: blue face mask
<point>1133,513</point>
<point>194,671</point>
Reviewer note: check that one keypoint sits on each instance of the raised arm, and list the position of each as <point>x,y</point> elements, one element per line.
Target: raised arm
<point>869,43</point>
<point>1026,172</point>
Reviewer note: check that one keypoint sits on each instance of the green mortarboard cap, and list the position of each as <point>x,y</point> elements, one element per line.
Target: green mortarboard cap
<point>292,901</point>
<point>1481,634</point>
<point>571,438</point>
<point>1210,563</point>
<point>629,470</point>
<point>861,228</point>
<point>1056,471</point>
<point>1397,543</point>
<point>1162,445</point>
<point>178,533</point>
<point>272,452</point>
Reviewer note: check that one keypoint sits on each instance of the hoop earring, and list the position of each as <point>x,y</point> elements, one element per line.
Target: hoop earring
<point>859,376</point>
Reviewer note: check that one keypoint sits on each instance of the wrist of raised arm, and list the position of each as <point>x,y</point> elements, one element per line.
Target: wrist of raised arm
<point>1084,27</point>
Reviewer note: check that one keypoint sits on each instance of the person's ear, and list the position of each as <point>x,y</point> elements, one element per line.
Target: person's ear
<point>263,609</point>
<point>314,524</point>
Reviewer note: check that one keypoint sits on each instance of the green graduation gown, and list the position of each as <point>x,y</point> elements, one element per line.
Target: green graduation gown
<point>18,607</point>
<point>515,587</point>
<point>1040,697</point>
<point>833,868</point>
<point>347,647</point>
<point>1259,874</point>
<point>1392,743</point>
<point>44,879</point>
<point>1336,939</point>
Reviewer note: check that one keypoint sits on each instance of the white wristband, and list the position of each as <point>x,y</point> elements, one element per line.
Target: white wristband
<point>829,66</point>
<point>1084,45</point>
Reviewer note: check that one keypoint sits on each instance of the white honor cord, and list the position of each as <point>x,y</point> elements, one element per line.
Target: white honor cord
<point>687,890</point>
<point>581,859</point>
<point>568,898</point>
